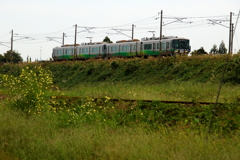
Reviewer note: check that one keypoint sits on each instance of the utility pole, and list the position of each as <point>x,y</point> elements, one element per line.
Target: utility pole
<point>75,42</point>
<point>133,30</point>
<point>230,35</point>
<point>40,53</point>
<point>12,41</point>
<point>232,39</point>
<point>160,36</point>
<point>63,38</point>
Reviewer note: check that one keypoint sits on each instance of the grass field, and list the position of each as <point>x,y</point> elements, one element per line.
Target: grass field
<point>35,126</point>
<point>171,91</point>
<point>40,137</point>
<point>98,136</point>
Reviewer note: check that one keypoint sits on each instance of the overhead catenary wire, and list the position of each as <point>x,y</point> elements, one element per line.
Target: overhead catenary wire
<point>150,23</point>
<point>236,23</point>
<point>5,35</point>
<point>44,34</point>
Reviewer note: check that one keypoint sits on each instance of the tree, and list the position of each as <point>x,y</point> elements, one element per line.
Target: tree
<point>214,50</point>
<point>222,49</point>
<point>193,53</point>
<point>12,56</point>
<point>199,51</point>
<point>2,59</point>
<point>106,39</point>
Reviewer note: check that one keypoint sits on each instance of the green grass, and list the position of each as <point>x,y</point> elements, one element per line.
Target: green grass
<point>84,129</point>
<point>40,137</point>
<point>171,91</point>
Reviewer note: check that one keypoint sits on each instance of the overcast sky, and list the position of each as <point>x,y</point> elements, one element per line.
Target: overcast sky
<point>38,25</point>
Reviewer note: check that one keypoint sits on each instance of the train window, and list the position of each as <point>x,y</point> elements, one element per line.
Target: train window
<point>95,50</point>
<point>184,44</point>
<point>154,45</point>
<point>78,51</point>
<point>68,51</point>
<point>114,49</point>
<point>125,48</point>
<point>84,50</point>
<point>147,46</point>
<point>175,44</point>
<point>133,47</point>
<point>59,52</point>
<point>158,45</point>
<point>163,45</point>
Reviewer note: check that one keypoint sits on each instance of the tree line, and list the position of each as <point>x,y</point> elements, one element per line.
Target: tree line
<point>214,50</point>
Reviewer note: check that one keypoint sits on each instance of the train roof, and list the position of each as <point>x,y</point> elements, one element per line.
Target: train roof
<point>163,38</point>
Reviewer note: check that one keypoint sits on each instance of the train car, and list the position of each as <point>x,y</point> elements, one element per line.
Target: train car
<point>170,46</point>
<point>63,53</point>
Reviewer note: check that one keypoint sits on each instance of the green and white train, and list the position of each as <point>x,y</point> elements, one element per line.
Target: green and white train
<point>170,46</point>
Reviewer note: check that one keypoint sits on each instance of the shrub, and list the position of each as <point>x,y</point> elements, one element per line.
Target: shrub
<point>27,91</point>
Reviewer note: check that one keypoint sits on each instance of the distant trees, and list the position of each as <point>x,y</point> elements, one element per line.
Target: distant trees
<point>29,59</point>
<point>11,56</point>
<point>222,49</point>
<point>200,51</point>
<point>214,50</point>
<point>106,39</point>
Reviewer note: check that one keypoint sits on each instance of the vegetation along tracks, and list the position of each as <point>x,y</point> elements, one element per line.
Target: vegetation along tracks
<point>187,103</point>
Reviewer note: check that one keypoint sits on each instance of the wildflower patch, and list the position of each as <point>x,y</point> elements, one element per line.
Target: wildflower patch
<point>28,90</point>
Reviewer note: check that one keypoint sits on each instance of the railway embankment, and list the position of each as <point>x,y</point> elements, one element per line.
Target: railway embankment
<point>138,70</point>
<point>152,70</point>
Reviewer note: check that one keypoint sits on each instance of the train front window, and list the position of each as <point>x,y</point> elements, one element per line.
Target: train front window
<point>181,44</point>
<point>176,44</point>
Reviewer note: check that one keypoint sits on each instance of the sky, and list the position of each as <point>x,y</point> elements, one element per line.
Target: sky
<point>38,26</point>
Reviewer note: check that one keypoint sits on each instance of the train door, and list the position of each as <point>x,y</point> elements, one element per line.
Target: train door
<point>104,50</point>
<point>108,51</point>
<point>167,48</point>
<point>99,51</point>
<point>133,49</point>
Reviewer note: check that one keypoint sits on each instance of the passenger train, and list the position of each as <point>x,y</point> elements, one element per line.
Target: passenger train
<point>170,46</point>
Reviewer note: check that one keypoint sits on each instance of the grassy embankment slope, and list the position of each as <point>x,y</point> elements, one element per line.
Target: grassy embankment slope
<point>145,71</point>
<point>173,78</point>
<point>138,71</point>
